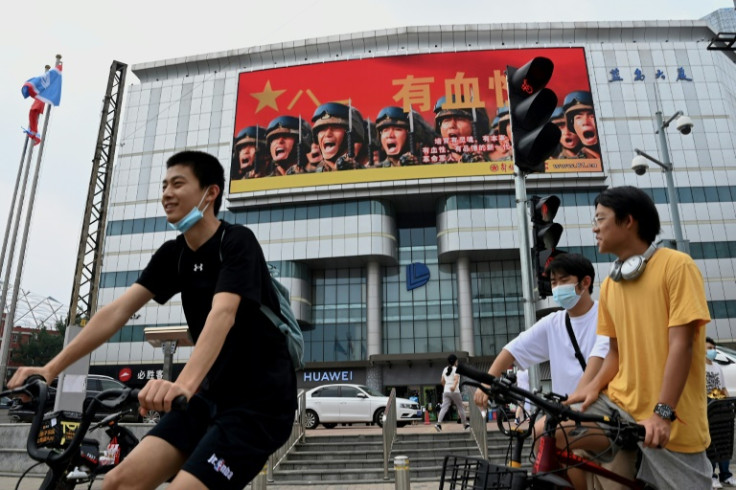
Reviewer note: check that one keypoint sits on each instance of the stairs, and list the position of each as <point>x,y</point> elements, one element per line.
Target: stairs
<point>358,458</point>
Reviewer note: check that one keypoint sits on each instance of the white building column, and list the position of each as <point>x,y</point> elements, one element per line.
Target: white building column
<point>374,375</point>
<point>465,305</point>
<point>373,308</point>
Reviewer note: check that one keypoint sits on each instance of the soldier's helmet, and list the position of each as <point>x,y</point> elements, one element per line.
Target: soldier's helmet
<point>575,102</point>
<point>251,135</point>
<point>336,114</point>
<point>441,112</point>
<point>289,125</point>
<point>558,113</point>
<point>395,116</point>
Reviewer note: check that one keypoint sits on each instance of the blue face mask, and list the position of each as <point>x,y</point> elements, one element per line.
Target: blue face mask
<point>566,296</point>
<point>191,218</point>
<point>710,354</point>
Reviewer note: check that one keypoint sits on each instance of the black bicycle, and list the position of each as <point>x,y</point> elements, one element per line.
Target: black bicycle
<point>549,463</point>
<point>59,440</point>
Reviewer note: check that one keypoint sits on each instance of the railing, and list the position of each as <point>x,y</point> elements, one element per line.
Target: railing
<point>478,424</point>
<point>389,430</point>
<point>297,435</point>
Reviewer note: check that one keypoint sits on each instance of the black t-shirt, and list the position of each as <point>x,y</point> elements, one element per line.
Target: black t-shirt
<point>253,368</point>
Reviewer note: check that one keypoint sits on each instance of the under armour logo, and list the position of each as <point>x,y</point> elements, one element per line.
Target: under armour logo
<point>198,267</point>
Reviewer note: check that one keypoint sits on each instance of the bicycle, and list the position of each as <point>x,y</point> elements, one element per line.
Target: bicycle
<point>58,438</point>
<point>550,464</point>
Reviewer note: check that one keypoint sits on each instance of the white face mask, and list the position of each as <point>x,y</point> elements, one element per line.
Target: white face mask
<point>192,217</point>
<point>566,296</point>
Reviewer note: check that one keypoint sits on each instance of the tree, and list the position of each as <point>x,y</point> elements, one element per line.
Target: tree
<point>42,346</point>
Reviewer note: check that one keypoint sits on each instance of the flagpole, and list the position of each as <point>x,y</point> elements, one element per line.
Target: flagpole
<point>26,230</point>
<point>9,320</point>
<point>12,204</point>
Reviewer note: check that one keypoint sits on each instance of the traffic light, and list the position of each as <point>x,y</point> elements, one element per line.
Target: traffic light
<point>533,137</point>
<point>546,237</point>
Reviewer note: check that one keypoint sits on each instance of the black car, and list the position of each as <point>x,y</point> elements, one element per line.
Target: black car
<point>23,412</point>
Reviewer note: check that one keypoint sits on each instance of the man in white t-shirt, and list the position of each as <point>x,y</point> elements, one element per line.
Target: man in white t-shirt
<point>572,277</point>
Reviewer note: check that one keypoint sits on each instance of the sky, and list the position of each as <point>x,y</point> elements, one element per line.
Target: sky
<point>91,34</point>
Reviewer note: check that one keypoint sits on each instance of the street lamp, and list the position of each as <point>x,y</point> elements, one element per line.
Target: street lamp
<point>640,163</point>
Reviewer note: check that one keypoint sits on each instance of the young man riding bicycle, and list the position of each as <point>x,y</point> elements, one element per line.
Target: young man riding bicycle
<point>226,434</point>
<point>653,308</point>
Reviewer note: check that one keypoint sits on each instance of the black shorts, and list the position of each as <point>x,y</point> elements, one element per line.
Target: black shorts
<point>226,448</point>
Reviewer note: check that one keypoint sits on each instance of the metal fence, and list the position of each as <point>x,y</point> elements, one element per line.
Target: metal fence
<point>389,430</point>
<point>297,436</point>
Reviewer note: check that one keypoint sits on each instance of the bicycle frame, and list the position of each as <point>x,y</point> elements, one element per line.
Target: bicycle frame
<point>550,465</point>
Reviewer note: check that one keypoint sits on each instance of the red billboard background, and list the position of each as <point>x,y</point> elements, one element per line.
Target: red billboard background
<point>372,84</point>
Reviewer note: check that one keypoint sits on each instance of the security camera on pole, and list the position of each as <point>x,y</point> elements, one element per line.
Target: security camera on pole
<point>640,164</point>
<point>534,139</point>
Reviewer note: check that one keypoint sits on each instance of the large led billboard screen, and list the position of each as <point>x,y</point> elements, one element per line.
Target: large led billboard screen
<point>399,117</point>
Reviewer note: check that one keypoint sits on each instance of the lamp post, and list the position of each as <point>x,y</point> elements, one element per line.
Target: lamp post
<point>639,165</point>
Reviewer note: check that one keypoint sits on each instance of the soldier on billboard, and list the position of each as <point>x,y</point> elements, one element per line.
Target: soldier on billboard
<point>458,124</point>
<point>570,146</point>
<point>250,158</point>
<point>340,137</point>
<point>501,138</point>
<point>580,118</point>
<point>402,135</point>
<point>288,145</point>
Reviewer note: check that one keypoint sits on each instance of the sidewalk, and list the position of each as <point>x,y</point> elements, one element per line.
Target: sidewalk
<point>34,483</point>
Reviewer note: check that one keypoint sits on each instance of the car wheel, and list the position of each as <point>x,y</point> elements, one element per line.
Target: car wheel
<point>329,426</point>
<point>151,417</point>
<point>311,420</point>
<point>378,416</point>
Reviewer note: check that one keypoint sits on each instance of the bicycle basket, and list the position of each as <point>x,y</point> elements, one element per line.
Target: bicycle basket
<point>462,472</point>
<point>58,428</point>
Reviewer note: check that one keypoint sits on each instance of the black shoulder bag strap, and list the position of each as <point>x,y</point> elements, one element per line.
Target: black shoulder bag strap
<point>578,354</point>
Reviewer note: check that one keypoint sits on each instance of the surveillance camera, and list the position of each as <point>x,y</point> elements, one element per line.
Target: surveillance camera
<point>684,124</point>
<point>639,165</point>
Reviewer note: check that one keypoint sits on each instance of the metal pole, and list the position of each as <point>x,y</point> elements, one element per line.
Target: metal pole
<point>169,347</point>
<point>525,259</point>
<point>26,231</point>
<point>12,205</point>
<point>682,244</point>
<point>401,473</point>
<point>9,320</point>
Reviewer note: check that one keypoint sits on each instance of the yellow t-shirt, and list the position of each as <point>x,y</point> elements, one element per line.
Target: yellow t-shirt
<point>638,313</point>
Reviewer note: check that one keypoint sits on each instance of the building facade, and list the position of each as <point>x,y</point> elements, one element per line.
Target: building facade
<point>390,276</point>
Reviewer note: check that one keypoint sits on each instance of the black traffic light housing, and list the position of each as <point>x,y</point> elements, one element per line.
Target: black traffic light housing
<point>547,235</point>
<point>534,138</point>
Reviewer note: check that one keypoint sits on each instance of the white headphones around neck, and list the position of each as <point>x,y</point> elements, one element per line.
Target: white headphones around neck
<point>632,267</point>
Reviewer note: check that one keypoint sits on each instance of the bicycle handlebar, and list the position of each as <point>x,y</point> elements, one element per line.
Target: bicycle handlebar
<point>37,388</point>
<point>501,390</point>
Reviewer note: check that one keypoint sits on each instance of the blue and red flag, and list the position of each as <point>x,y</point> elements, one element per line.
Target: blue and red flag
<point>45,89</point>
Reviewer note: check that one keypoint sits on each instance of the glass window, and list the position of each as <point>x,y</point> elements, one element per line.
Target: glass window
<point>327,391</point>
<point>350,392</point>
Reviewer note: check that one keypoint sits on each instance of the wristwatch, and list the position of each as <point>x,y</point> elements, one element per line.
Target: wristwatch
<point>665,411</point>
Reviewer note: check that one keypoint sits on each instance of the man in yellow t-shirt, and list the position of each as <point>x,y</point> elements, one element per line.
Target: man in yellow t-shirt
<point>653,307</point>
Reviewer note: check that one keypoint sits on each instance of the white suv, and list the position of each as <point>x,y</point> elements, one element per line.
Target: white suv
<point>330,405</point>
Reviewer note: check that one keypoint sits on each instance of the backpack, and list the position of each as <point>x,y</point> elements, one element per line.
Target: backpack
<point>285,321</point>
<point>287,324</point>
